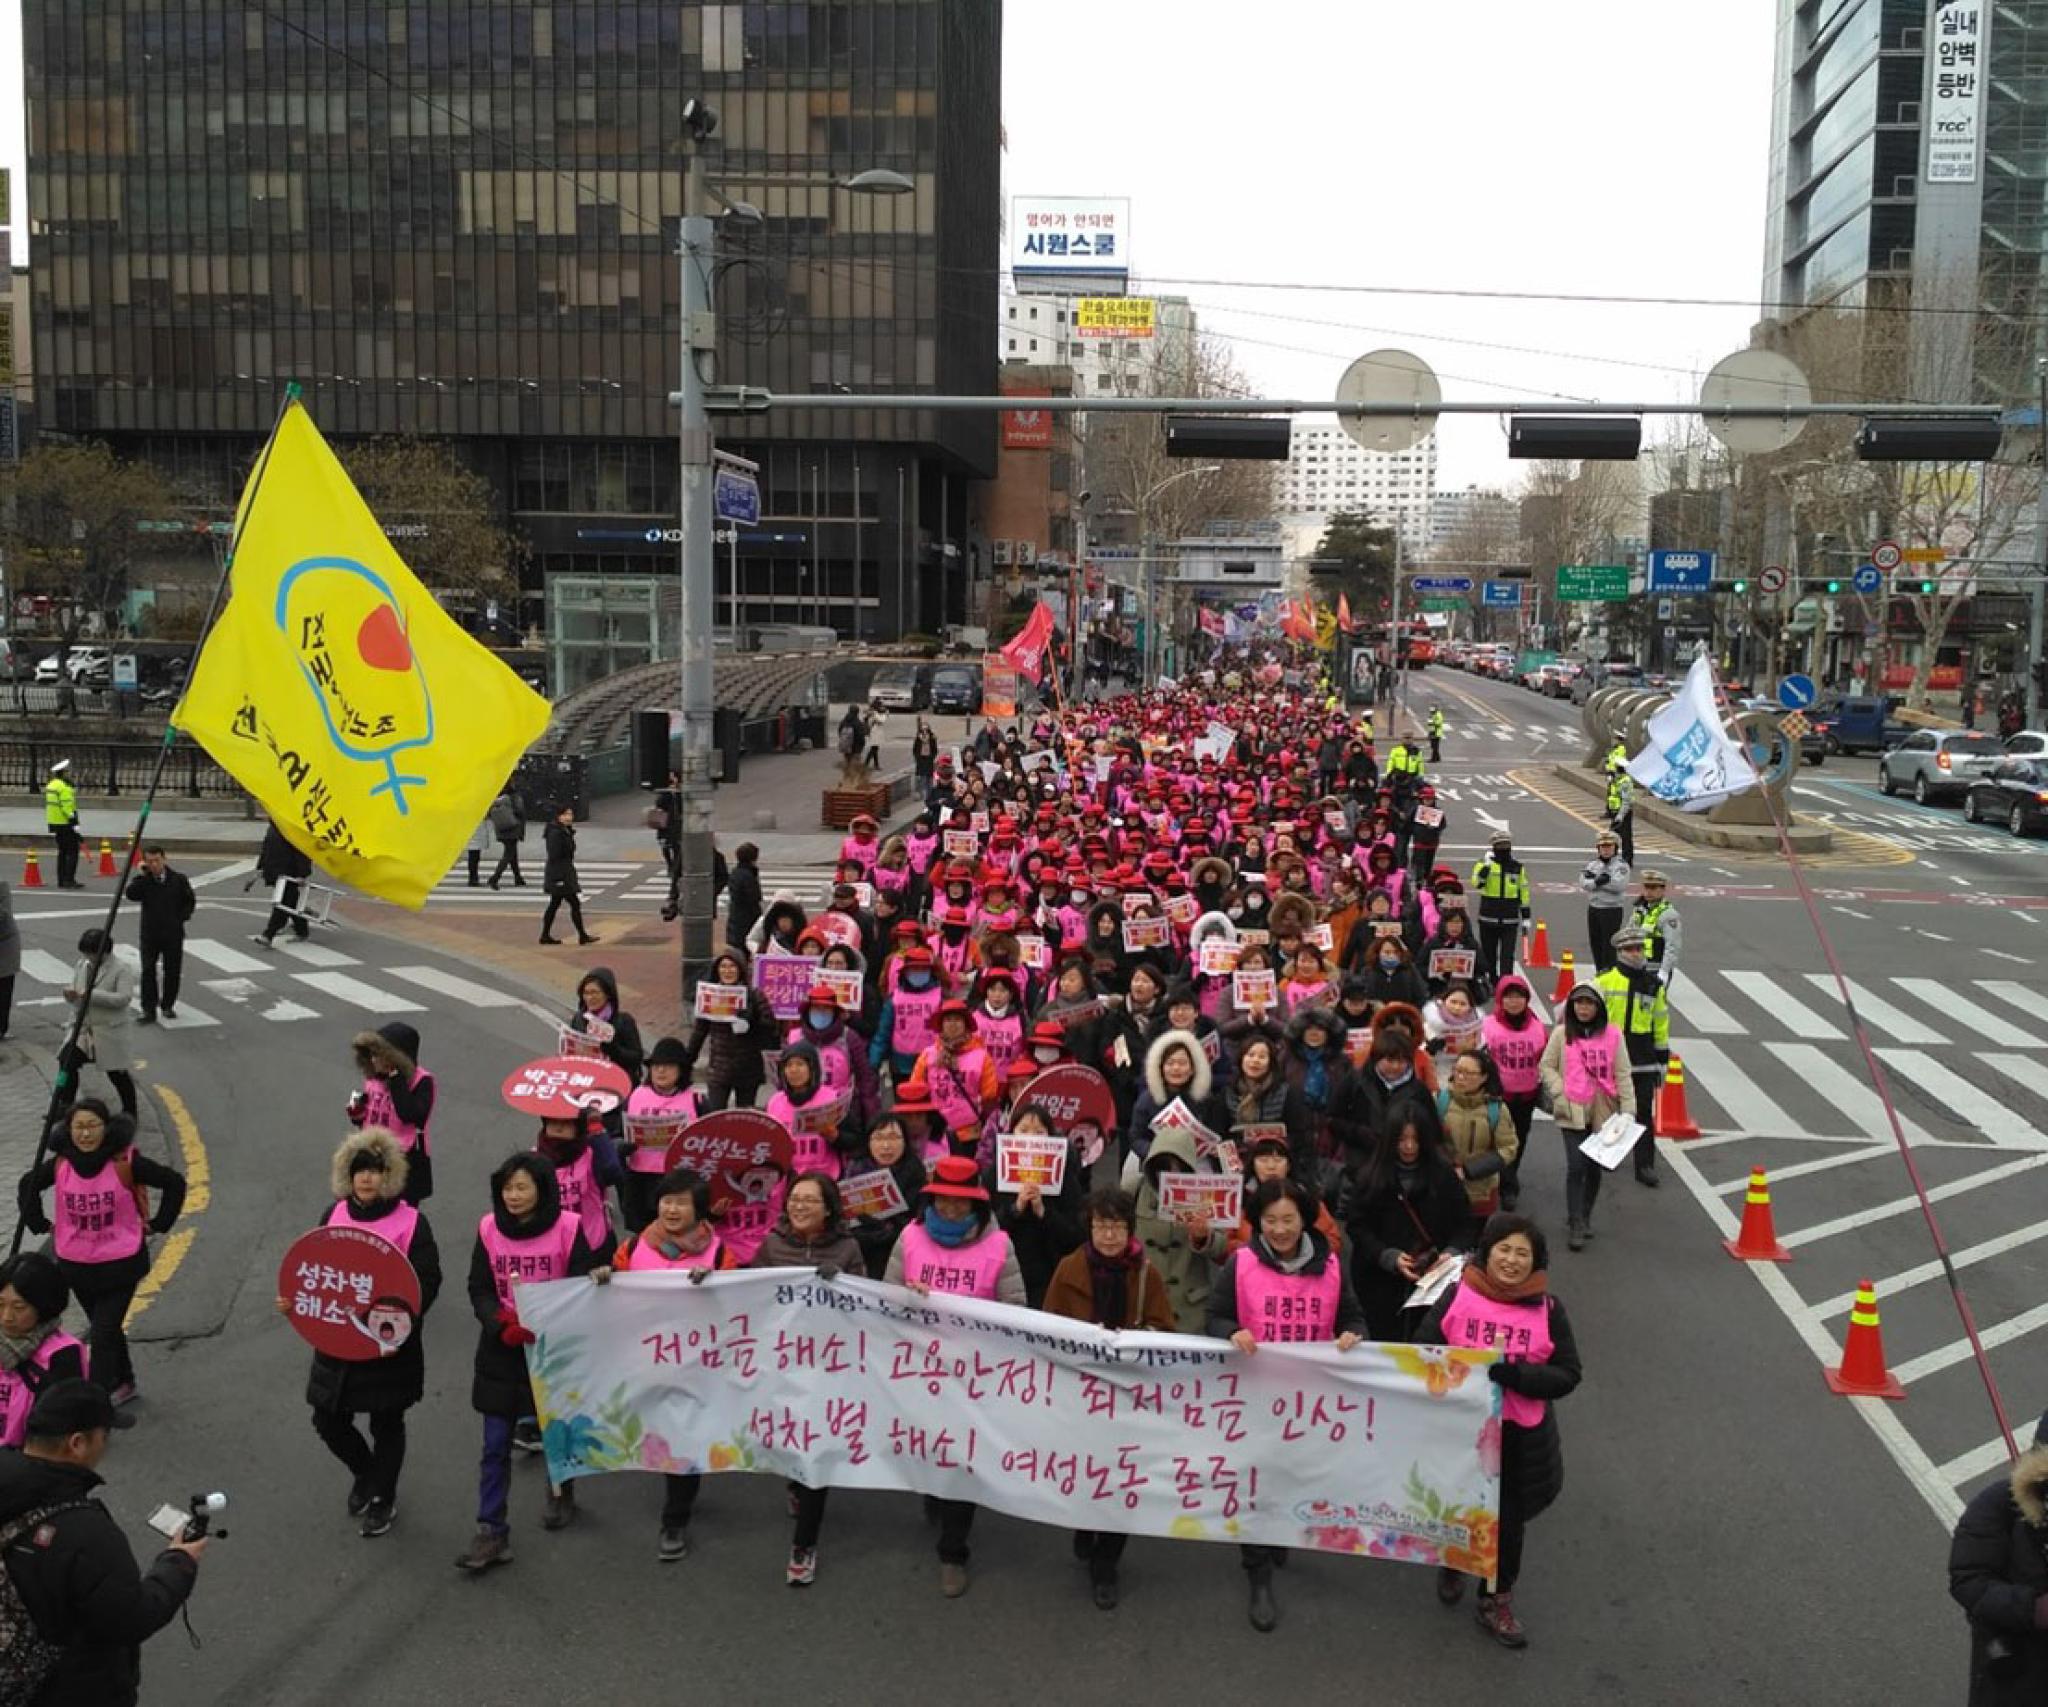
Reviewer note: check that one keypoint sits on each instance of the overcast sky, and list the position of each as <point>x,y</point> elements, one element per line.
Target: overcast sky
<point>1601,147</point>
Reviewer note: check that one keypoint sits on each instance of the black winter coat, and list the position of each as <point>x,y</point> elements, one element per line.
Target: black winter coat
<point>85,1591</point>
<point>1998,1574</point>
<point>724,1057</point>
<point>1370,1107</point>
<point>1382,1221</point>
<point>1531,1459</point>
<point>393,1383</point>
<point>559,876</point>
<point>162,903</point>
<point>499,1386</point>
<point>278,858</point>
<point>1042,1241</point>
<point>167,1185</point>
<point>742,901</point>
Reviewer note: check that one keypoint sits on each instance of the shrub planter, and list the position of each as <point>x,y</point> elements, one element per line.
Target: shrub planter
<point>843,805</point>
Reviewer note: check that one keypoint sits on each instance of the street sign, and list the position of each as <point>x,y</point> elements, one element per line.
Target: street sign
<point>1796,693</point>
<point>1771,578</point>
<point>1502,595</point>
<point>1680,572</point>
<point>736,496</point>
<point>1445,604</point>
<point>124,670</point>
<point>1794,727</point>
<point>1867,579</point>
<point>1886,554</point>
<point>1664,609</point>
<point>1925,554</point>
<point>1602,583</point>
<point>1443,583</point>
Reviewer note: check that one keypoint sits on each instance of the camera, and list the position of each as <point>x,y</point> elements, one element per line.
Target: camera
<point>204,1508</point>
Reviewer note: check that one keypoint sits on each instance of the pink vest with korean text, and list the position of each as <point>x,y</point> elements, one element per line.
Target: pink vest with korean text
<point>809,1152</point>
<point>18,1396</point>
<point>543,1257</point>
<point>863,853</point>
<point>953,1084</point>
<point>1516,1053</point>
<point>653,1158</point>
<point>642,1254</point>
<point>96,1219</point>
<point>395,1228</point>
<point>1279,1309</point>
<point>1002,1035</point>
<point>1589,1067</point>
<point>1519,1332</point>
<point>972,1270</point>
<point>915,1011</point>
<point>380,1110</point>
<point>582,1201</point>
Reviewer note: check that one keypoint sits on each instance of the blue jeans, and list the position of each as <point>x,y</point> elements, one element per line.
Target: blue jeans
<point>494,1476</point>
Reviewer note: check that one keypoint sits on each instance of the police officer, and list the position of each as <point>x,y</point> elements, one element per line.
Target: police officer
<point>70,1563</point>
<point>60,813</point>
<point>1659,922</point>
<point>1503,889</point>
<point>1636,1005</point>
<point>1404,773</point>
<point>1621,803</point>
<point>1436,734</point>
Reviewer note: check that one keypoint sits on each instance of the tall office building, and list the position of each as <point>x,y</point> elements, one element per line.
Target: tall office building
<point>459,219</point>
<point>1330,473</point>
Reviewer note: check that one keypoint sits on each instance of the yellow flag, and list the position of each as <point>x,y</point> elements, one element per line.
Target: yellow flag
<point>365,722</point>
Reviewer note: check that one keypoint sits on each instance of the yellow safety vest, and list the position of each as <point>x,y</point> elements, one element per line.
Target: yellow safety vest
<point>1646,920</point>
<point>1404,761</point>
<point>60,803</point>
<point>1436,722</point>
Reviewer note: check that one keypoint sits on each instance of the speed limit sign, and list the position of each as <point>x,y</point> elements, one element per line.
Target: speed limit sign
<point>1772,579</point>
<point>1886,554</point>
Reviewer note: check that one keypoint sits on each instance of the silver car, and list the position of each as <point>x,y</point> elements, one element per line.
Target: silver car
<point>1932,762</point>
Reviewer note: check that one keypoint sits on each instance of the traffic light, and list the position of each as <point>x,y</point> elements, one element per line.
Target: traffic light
<point>1834,587</point>
<point>1740,585</point>
<point>1925,588</point>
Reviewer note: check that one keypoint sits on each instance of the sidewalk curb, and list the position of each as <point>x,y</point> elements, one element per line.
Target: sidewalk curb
<point>1694,828</point>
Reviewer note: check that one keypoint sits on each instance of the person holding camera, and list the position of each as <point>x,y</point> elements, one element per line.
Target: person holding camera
<point>69,1568</point>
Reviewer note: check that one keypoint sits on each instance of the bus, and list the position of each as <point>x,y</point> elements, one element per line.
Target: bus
<point>1417,643</point>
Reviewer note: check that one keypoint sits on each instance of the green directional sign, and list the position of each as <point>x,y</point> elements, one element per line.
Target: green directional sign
<point>1446,604</point>
<point>1592,583</point>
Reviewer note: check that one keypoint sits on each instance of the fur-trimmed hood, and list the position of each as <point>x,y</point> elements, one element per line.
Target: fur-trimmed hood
<point>393,1048</point>
<point>384,1145</point>
<point>1155,1067</point>
<point>1402,1014</point>
<point>2029,1485</point>
<point>1334,1024</point>
<point>1291,909</point>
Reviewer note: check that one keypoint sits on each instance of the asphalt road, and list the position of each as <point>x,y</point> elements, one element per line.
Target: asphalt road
<point>1729,1529</point>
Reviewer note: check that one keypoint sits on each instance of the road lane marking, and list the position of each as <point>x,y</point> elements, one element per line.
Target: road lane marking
<point>237,868</point>
<point>1976,1106</point>
<point>315,953</point>
<point>1987,1027</point>
<point>1782,1005</point>
<point>347,989</point>
<point>1907,1205</point>
<point>187,1018</point>
<point>1920,1273</point>
<point>221,957</point>
<point>448,984</point>
<point>1844,1090</point>
<point>1960,1351</point>
<point>2029,1002</point>
<point>45,968</point>
<point>1732,1090</point>
<point>198,1172</point>
<point>1875,1010</point>
<point>1968,1466</point>
<point>1819,1165</point>
<point>1702,1013</point>
<point>2021,1069</point>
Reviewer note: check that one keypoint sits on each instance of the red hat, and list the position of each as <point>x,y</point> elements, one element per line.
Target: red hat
<point>913,1099</point>
<point>1048,1031</point>
<point>908,930</point>
<point>821,996</point>
<point>956,1176</point>
<point>953,916</point>
<point>954,1005</point>
<point>1000,975</point>
<point>919,956</point>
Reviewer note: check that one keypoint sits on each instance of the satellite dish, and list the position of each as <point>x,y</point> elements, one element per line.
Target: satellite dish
<point>1390,378</point>
<point>1755,379</point>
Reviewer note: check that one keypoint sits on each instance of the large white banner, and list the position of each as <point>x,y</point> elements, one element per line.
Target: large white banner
<point>1392,1451</point>
<point>1690,761</point>
<point>1957,67</point>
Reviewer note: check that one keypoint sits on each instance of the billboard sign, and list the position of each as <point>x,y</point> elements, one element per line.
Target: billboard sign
<point>1052,237</point>
<point>1956,66</point>
<point>1027,429</point>
<point>1114,317</point>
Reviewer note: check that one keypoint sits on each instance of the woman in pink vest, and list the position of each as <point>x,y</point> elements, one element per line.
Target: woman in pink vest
<point>841,1048</point>
<point>803,1108</point>
<point>1585,1070</point>
<point>368,1179</point>
<point>1515,1038</point>
<point>101,1221</point>
<point>1285,1285</point>
<point>666,1096</point>
<point>526,1236</point>
<point>999,1017</point>
<point>397,1097</point>
<point>34,1348</point>
<point>1503,1303</point>
<point>956,1073</point>
<point>586,1167</point>
<point>956,1247</point>
<point>909,1019</point>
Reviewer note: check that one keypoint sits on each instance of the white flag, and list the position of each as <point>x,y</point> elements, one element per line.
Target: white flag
<point>1690,760</point>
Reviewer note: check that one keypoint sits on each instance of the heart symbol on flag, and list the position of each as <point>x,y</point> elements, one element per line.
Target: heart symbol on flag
<point>382,643</point>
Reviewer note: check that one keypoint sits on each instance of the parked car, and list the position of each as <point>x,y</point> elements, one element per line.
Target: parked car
<point>1859,723</point>
<point>1931,762</point>
<point>2027,744</point>
<point>88,666</point>
<point>902,687</point>
<point>2014,793</point>
<point>1559,679</point>
<point>956,687</point>
<point>1613,674</point>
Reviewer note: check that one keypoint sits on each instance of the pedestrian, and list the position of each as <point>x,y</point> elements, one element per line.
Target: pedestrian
<point>164,902</point>
<point>101,1224</point>
<point>368,1178</point>
<point>894,1148</point>
<point>924,756</point>
<point>10,955</point>
<point>1285,1285</point>
<point>397,1096</point>
<point>1605,882</point>
<point>665,819</point>
<point>104,1036</point>
<point>1514,1038</point>
<point>284,870</point>
<point>1998,1575</point>
<point>1657,918</point>
<point>473,855</point>
<point>1636,1003</point>
<point>873,735</point>
<point>559,878</point>
<point>60,814</point>
<point>34,1348</point>
<point>1425,831</point>
<point>743,893</point>
<point>665,1096</point>
<point>1503,1303</point>
<point>808,1110</point>
<point>955,1247</point>
<point>89,1607</point>
<point>1502,884</point>
<point>1110,1281</point>
<point>1480,1133</point>
<point>508,824</point>
<point>730,1050</point>
<point>680,1235</point>
<point>1405,1206</point>
<point>524,1236</point>
<point>1436,733</point>
<point>1585,1073</point>
<point>1621,804</point>
<point>599,1016</point>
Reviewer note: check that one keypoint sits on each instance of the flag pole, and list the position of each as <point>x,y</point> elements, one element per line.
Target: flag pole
<point>61,1092</point>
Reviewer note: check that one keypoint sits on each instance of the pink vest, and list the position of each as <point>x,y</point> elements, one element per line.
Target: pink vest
<point>543,1257</point>
<point>1516,1053</point>
<point>395,1229</point>
<point>955,1085</point>
<point>972,1269</point>
<point>379,1110</point>
<point>952,957</point>
<point>864,853</point>
<point>1002,1035</point>
<point>642,1254</point>
<point>1519,1332</point>
<point>835,1059</point>
<point>1283,1308</point>
<point>914,1011</point>
<point>95,1219</point>
<point>920,849</point>
<point>810,1152</point>
<point>745,1226</point>
<point>895,879</point>
<point>1589,1066</point>
<point>17,1396</point>
<point>653,1158</point>
<point>582,1201</point>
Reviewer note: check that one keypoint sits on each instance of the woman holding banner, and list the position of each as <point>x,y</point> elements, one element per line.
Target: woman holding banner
<point>733,1068</point>
<point>1044,1219</point>
<point>1284,1285</point>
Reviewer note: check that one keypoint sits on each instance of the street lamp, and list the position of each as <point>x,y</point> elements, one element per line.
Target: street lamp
<point>875,181</point>
<point>1151,561</point>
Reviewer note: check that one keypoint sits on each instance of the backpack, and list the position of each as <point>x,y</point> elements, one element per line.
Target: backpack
<point>27,1656</point>
<point>1443,1107</point>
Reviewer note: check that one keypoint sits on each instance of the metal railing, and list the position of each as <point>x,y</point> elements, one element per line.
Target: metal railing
<point>120,769</point>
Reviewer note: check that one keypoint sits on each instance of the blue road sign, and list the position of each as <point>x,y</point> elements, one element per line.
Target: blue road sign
<point>1680,572</point>
<point>1796,693</point>
<point>1867,579</point>
<point>1502,595</point>
<point>736,496</point>
<point>1443,583</point>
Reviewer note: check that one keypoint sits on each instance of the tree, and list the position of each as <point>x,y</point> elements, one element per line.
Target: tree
<point>73,528</point>
<point>1365,552</point>
<point>1576,514</point>
<point>440,515</point>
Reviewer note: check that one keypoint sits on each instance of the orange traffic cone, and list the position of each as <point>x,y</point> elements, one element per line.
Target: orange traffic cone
<point>1758,1240</point>
<point>1539,948</point>
<point>1863,1374</point>
<point>1566,978</point>
<point>1673,1118</point>
<point>107,860</point>
<point>31,873</point>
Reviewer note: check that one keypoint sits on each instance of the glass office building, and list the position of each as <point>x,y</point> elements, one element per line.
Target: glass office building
<point>458,218</point>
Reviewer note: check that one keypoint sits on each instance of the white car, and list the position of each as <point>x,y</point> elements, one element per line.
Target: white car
<point>2027,744</point>
<point>84,664</point>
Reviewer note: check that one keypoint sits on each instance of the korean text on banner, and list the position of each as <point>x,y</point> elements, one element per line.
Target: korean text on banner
<point>1690,760</point>
<point>1386,1451</point>
<point>998,686</point>
<point>371,728</point>
<point>785,979</point>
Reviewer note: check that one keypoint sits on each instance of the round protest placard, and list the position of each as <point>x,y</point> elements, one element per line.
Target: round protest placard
<point>349,1293</point>
<point>726,1146</point>
<point>1078,1104</point>
<point>558,1087</point>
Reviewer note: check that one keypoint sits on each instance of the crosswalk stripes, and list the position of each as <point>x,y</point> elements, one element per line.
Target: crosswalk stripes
<point>1877,1011</point>
<point>1998,1122</point>
<point>1988,1027</point>
<point>1781,1004</point>
<point>1700,1012</point>
<point>353,990</point>
<point>1726,1086</point>
<point>1860,1106</point>
<point>45,968</point>
<point>314,953</point>
<point>221,957</point>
